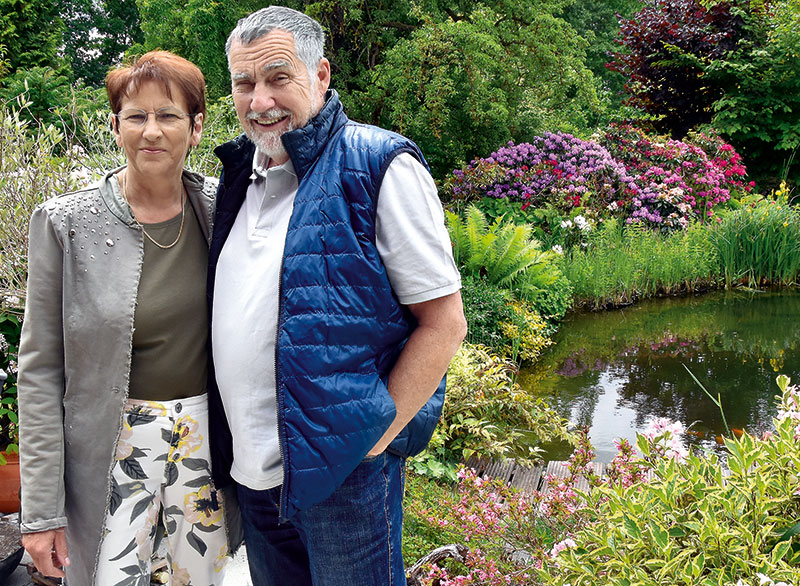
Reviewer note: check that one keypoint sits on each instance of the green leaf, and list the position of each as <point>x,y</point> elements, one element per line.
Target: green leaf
<point>632,527</point>
<point>660,536</point>
<point>789,533</point>
<point>779,551</point>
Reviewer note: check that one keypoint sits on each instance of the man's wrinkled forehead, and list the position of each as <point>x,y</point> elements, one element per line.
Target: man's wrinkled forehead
<point>265,68</point>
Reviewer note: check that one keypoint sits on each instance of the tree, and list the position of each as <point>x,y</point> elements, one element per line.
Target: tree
<point>457,76</point>
<point>196,30</point>
<point>97,34</point>
<point>665,47</point>
<point>30,30</point>
<point>463,85</point>
<point>760,108</point>
<point>597,21</point>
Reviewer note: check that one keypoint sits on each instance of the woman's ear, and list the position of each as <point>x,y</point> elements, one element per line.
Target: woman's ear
<point>197,130</point>
<point>114,123</point>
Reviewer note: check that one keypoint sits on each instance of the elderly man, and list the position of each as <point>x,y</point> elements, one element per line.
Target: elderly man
<point>335,312</point>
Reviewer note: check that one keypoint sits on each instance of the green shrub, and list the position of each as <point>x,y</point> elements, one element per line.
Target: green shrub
<point>486,413</point>
<point>10,326</point>
<point>485,306</point>
<point>695,524</point>
<point>759,244</point>
<point>495,319</point>
<point>420,536</point>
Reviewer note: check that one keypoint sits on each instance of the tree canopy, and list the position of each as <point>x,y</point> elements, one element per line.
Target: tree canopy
<point>96,35</point>
<point>30,31</point>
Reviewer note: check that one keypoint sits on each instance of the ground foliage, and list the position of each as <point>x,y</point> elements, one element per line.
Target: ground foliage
<point>486,413</point>
<point>661,515</point>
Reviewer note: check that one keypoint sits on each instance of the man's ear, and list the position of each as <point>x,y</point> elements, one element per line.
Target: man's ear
<point>323,78</point>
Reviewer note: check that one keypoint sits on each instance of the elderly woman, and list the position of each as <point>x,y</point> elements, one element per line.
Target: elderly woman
<point>113,417</point>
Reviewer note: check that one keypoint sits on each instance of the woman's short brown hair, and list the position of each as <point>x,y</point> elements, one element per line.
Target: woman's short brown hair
<point>162,67</point>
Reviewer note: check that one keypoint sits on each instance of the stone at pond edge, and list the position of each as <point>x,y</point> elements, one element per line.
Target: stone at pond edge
<point>11,550</point>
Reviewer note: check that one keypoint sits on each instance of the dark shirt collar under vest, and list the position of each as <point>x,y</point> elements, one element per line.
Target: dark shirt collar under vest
<point>304,145</point>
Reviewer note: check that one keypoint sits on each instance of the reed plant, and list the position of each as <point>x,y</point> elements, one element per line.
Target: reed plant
<point>759,244</point>
<point>624,263</point>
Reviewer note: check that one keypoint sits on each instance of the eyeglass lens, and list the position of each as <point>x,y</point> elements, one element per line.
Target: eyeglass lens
<point>165,117</point>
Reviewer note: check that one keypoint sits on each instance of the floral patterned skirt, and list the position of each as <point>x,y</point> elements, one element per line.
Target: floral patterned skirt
<point>163,468</point>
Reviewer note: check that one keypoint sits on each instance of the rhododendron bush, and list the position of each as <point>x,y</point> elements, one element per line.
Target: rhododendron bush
<point>623,172</point>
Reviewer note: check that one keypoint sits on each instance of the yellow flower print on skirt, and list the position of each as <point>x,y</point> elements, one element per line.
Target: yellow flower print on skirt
<point>163,469</point>
<point>186,439</point>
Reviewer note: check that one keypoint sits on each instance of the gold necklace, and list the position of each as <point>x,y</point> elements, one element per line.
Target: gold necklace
<point>124,184</point>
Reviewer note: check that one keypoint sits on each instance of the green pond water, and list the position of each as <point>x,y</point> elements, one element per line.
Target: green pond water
<point>614,372</point>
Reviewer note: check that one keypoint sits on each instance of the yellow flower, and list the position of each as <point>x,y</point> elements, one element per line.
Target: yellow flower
<point>187,440</point>
<point>221,559</point>
<point>157,409</point>
<point>203,507</point>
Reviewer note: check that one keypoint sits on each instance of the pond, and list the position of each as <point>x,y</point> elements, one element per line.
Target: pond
<point>616,371</point>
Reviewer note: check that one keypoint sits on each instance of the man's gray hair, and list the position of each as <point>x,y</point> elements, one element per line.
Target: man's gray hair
<point>309,38</point>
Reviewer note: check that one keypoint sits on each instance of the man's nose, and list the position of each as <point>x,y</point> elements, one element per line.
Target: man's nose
<point>263,98</point>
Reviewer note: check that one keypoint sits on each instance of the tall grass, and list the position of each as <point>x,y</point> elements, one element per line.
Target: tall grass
<point>626,263</point>
<point>760,243</point>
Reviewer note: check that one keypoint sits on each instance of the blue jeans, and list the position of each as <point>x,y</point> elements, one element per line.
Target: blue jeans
<point>352,538</point>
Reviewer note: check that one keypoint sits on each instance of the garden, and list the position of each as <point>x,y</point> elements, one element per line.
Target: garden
<point>592,157</point>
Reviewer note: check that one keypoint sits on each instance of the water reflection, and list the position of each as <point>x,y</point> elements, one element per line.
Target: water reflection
<point>616,371</point>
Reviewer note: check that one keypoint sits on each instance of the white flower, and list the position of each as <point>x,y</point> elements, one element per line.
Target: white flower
<point>582,223</point>
<point>612,206</point>
<point>557,249</point>
<point>566,224</point>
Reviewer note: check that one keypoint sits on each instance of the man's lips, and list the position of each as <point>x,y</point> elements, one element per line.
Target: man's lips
<point>267,123</point>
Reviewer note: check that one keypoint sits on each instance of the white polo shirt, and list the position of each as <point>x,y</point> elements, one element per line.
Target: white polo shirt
<point>413,244</point>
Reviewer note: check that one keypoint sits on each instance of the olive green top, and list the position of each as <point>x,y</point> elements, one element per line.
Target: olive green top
<point>171,320</point>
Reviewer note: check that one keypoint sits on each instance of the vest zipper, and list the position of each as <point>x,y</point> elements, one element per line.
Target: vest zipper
<point>282,504</point>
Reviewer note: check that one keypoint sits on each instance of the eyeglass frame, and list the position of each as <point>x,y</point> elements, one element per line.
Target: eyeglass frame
<point>155,116</point>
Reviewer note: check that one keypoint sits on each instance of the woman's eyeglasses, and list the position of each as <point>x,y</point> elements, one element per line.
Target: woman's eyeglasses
<point>165,117</point>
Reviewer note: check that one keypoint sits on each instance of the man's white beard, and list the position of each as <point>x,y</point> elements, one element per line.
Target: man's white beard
<point>269,143</point>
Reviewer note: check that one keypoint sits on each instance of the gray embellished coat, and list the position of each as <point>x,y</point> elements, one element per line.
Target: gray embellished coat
<point>85,257</point>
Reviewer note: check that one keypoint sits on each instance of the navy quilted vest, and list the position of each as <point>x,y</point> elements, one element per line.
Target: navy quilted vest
<point>341,328</point>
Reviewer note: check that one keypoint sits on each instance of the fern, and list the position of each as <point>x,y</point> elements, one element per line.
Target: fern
<point>503,253</point>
